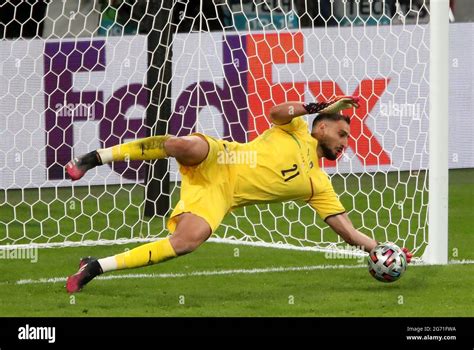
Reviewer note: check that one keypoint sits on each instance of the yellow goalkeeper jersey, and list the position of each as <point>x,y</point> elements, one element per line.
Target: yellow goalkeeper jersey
<point>281,165</point>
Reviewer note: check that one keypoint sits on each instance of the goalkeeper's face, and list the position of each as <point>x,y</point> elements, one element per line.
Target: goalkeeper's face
<point>332,136</point>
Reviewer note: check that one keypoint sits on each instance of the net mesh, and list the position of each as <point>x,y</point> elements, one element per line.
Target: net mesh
<point>91,74</point>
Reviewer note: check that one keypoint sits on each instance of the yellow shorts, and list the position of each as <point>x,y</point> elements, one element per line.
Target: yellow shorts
<point>206,189</point>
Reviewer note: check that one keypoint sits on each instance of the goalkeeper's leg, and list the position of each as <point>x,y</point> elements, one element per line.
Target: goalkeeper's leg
<point>188,150</point>
<point>191,231</point>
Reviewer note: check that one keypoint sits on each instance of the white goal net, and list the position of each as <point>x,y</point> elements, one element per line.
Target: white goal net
<point>96,74</point>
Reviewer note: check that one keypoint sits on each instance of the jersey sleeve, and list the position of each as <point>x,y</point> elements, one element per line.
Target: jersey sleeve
<point>296,125</point>
<point>324,200</point>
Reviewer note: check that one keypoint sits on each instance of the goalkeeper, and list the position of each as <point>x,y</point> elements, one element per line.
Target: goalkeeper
<point>218,176</point>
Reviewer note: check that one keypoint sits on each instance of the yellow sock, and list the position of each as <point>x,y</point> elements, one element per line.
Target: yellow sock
<point>142,149</point>
<point>147,254</point>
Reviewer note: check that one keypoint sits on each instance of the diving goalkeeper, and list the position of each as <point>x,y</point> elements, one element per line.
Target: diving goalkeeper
<point>285,167</point>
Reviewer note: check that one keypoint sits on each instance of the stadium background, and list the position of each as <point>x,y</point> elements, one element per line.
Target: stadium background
<point>227,280</point>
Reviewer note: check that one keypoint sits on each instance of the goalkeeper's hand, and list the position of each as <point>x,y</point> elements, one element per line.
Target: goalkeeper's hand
<point>407,254</point>
<point>334,105</point>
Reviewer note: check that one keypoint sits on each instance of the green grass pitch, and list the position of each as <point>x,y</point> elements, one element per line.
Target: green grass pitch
<point>224,279</point>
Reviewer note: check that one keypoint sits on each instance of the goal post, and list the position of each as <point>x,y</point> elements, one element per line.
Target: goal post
<point>437,249</point>
<point>137,68</point>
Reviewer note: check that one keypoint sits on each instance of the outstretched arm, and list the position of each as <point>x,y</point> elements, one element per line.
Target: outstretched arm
<point>285,112</point>
<point>342,225</point>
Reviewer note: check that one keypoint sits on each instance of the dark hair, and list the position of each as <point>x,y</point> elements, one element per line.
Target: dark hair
<point>331,116</point>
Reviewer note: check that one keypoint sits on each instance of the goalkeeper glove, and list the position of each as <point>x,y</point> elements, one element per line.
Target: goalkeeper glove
<point>334,105</point>
<point>407,254</point>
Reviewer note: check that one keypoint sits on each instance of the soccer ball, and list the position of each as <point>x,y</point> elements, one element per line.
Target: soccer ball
<point>387,262</point>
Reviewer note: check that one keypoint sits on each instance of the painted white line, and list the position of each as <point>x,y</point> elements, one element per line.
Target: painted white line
<point>197,273</point>
<point>219,272</point>
<point>461,262</point>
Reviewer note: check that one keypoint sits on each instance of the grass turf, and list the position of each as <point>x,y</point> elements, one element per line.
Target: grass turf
<point>423,291</point>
